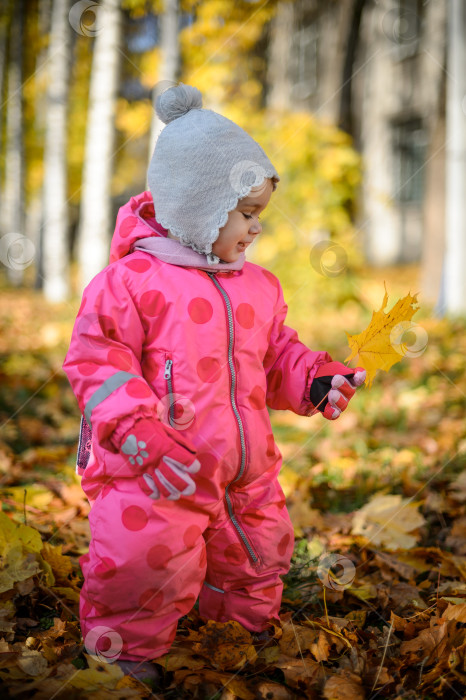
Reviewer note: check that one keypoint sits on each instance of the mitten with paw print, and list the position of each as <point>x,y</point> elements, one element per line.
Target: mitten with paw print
<point>164,458</point>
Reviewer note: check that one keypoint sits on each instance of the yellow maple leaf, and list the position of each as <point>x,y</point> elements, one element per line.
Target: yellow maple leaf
<point>381,344</point>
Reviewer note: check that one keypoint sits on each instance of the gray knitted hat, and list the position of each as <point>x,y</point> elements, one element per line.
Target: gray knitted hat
<point>203,163</point>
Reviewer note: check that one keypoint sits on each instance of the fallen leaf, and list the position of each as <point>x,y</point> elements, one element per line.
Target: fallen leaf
<point>296,639</point>
<point>32,662</point>
<point>268,690</point>
<point>180,658</point>
<point>298,671</point>
<point>388,520</point>
<point>60,565</point>
<point>227,644</point>
<point>99,674</point>
<point>345,685</point>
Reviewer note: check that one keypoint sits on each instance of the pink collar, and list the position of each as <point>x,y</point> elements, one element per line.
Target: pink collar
<point>172,251</point>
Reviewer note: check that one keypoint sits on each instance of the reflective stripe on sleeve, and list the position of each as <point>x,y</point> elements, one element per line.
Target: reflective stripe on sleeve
<point>108,387</point>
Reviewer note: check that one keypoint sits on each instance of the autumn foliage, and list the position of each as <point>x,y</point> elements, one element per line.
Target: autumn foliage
<point>375,602</point>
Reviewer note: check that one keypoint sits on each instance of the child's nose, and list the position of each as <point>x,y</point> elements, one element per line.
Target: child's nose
<point>256,226</point>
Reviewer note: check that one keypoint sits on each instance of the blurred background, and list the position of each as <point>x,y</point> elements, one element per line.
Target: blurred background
<point>360,104</point>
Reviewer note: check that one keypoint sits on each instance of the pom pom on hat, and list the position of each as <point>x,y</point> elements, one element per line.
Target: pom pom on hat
<point>202,165</point>
<point>177,101</point>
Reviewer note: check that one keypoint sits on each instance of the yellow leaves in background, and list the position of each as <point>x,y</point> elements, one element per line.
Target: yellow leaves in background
<point>133,119</point>
<point>379,346</point>
<point>389,521</point>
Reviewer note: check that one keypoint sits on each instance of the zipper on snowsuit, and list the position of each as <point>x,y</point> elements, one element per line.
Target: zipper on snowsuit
<point>168,376</point>
<point>239,421</point>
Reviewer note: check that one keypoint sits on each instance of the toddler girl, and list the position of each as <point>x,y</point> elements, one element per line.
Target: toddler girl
<point>179,348</point>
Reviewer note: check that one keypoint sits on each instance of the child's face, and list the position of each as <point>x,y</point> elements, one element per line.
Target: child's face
<point>243,224</point>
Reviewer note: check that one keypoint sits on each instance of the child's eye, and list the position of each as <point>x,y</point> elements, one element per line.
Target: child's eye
<point>247,216</point>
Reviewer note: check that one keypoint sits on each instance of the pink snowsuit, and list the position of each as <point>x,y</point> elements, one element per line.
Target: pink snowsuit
<point>209,352</point>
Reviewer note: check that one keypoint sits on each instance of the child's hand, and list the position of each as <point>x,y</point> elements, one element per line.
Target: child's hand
<point>333,386</point>
<point>171,479</point>
<point>165,458</point>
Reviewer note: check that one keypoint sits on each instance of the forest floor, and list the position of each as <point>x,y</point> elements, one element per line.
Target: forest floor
<point>374,605</point>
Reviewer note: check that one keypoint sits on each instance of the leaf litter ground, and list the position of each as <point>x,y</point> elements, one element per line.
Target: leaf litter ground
<point>375,601</point>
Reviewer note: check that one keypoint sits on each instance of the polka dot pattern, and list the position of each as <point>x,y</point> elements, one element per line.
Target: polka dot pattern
<point>105,569</point>
<point>87,368</point>
<point>257,398</point>
<point>134,518</point>
<point>127,226</point>
<point>245,315</point>
<point>235,554</point>
<point>166,538</point>
<point>191,535</point>
<point>138,265</point>
<point>185,604</point>
<point>137,389</point>
<point>271,278</point>
<point>274,380</point>
<point>270,452</point>
<point>158,556</point>
<point>208,369</point>
<point>283,544</point>
<point>151,599</point>
<point>152,303</point>
<point>121,359</point>
<point>253,518</point>
<point>200,310</point>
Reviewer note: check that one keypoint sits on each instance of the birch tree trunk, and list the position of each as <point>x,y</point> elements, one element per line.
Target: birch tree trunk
<point>55,226</point>
<point>95,214</point>
<point>16,251</point>
<point>35,209</point>
<point>453,297</point>
<point>170,64</point>
<point>279,78</point>
<point>3,36</point>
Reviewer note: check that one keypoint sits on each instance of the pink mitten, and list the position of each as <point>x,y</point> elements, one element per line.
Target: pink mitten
<point>163,456</point>
<point>333,386</point>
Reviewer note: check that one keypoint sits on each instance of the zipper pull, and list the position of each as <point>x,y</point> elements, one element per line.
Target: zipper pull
<point>168,369</point>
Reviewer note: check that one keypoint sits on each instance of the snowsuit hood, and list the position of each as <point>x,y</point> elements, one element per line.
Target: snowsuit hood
<point>138,229</point>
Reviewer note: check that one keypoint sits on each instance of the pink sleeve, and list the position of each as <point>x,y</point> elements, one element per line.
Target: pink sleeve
<point>290,366</point>
<point>103,360</point>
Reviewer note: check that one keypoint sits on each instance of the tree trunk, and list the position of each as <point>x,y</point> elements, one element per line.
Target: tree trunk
<point>279,78</point>
<point>345,120</point>
<point>453,297</point>
<point>55,226</point>
<point>170,65</point>
<point>3,37</point>
<point>433,246</point>
<point>16,251</point>
<point>96,211</point>
<point>35,209</point>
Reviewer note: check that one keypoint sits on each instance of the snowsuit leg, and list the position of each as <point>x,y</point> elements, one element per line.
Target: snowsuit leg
<point>145,568</point>
<point>236,587</point>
